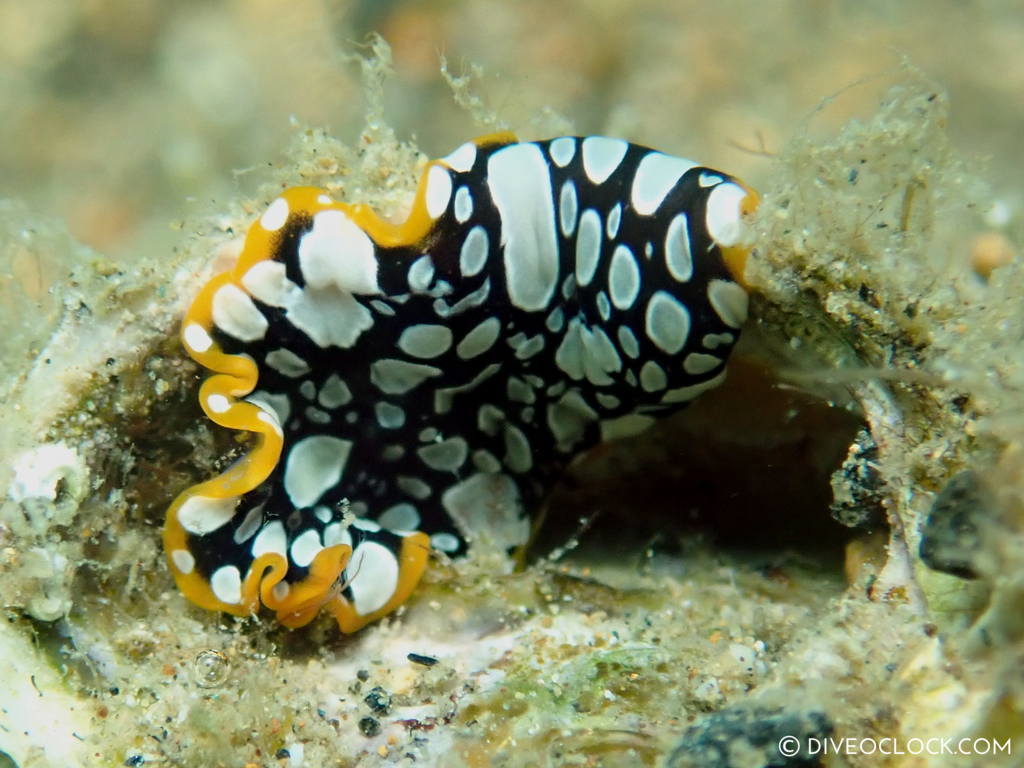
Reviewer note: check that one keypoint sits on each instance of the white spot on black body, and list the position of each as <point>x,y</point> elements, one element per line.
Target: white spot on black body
<point>446,456</point>
<point>267,281</point>
<point>400,517</point>
<point>697,363</point>
<point>677,249</point>
<point>250,524</point>
<point>562,150</point>
<point>200,515</point>
<point>601,156</point>
<point>611,225</point>
<point>270,540</point>
<point>723,214</point>
<point>480,339</point>
<point>334,393</point>
<point>463,205</point>
<point>652,377</point>
<point>421,273</point>
<point>396,377</point>
<point>729,301</point>
<point>473,254</point>
<point>567,208</point>
<point>439,190</point>
<point>588,247</point>
<point>425,341</point>
<point>226,583</point>
<point>715,340</point>
<point>518,179</point>
<point>235,314</point>
<point>337,253</point>
<point>623,278</point>
<point>446,542</point>
<point>668,322</point>
<point>373,576</point>
<point>628,342</point>
<point>462,159</point>
<point>305,547</point>
<point>314,464</point>
<point>655,177</point>
<point>389,416</point>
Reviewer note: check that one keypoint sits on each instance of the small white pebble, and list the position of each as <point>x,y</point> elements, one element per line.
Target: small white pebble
<point>999,214</point>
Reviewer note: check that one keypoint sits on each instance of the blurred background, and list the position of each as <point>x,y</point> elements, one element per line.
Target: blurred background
<point>125,117</point>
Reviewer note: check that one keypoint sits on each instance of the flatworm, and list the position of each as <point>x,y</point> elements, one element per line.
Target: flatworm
<point>540,297</point>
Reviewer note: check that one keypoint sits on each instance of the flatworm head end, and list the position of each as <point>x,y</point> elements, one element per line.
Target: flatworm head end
<point>190,535</point>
